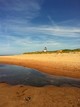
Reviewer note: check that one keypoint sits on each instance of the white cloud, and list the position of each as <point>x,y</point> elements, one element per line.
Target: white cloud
<point>49,30</point>
<point>13,44</point>
<point>20,10</point>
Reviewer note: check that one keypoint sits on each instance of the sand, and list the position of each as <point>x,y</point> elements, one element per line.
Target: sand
<point>66,64</point>
<point>48,96</point>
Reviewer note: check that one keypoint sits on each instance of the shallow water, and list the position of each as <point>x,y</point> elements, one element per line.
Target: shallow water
<point>17,75</point>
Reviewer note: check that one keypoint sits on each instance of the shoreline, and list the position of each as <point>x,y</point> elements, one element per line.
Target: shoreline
<point>55,64</point>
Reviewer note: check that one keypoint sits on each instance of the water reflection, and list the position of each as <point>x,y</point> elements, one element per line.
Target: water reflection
<point>20,75</point>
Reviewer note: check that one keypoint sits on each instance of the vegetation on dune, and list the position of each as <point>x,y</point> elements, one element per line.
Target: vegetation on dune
<point>71,50</point>
<point>56,51</point>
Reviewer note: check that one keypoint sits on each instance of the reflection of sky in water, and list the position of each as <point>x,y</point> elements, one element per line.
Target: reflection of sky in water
<point>20,75</point>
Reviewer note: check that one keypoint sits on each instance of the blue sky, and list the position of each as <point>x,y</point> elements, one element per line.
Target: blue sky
<point>30,25</point>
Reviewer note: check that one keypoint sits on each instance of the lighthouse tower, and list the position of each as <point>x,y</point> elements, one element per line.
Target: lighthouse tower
<point>45,49</point>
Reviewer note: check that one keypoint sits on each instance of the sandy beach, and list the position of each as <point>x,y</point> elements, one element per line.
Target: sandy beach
<point>65,64</point>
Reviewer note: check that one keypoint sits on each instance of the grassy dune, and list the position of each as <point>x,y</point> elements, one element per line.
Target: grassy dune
<point>56,51</point>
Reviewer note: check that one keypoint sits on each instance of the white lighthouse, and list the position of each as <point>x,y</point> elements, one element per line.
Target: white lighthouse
<point>45,49</point>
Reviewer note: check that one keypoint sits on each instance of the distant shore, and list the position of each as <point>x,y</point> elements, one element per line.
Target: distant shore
<point>63,64</point>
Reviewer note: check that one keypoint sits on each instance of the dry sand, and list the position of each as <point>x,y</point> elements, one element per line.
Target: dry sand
<point>49,96</point>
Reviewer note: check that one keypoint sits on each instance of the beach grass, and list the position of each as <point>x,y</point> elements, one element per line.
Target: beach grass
<point>56,51</point>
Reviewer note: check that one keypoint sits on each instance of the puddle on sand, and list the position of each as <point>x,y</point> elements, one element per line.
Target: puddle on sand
<point>17,75</point>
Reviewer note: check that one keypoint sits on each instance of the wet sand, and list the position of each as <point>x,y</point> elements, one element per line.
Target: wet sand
<point>67,64</point>
<point>48,96</point>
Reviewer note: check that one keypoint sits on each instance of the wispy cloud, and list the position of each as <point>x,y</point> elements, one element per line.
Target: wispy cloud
<point>13,44</point>
<point>19,10</point>
<point>17,27</point>
<point>26,40</point>
<point>19,32</point>
<point>60,31</point>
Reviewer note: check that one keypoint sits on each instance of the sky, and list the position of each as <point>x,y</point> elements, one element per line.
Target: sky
<point>31,25</point>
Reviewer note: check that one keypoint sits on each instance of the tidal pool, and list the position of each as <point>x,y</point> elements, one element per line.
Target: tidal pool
<point>17,75</point>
